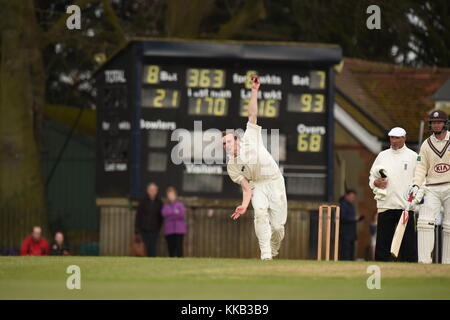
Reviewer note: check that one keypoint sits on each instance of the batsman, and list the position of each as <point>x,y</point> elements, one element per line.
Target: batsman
<point>252,166</point>
<point>433,167</point>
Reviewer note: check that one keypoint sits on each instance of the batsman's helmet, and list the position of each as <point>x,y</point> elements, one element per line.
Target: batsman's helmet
<point>438,115</point>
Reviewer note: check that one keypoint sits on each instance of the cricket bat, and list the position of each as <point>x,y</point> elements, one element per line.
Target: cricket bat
<point>400,230</point>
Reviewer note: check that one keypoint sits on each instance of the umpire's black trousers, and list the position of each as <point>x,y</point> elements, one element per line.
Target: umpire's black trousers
<point>387,222</point>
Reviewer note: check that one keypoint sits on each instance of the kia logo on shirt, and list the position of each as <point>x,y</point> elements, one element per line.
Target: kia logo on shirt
<point>442,167</point>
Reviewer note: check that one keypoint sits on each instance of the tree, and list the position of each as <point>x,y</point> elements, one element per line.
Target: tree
<point>21,97</point>
<point>28,35</point>
<point>430,35</point>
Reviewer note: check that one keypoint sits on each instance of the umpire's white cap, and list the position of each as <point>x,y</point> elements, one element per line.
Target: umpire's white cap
<point>397,132</point>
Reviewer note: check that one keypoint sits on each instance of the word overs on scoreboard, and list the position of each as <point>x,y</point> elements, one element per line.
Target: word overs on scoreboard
<point>310,138</point>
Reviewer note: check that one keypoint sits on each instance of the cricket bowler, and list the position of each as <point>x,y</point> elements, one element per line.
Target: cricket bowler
<point>433,167</point>
<point>252,166</point>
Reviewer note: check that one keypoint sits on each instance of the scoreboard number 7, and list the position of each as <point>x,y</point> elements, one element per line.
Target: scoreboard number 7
<point>309,142</point>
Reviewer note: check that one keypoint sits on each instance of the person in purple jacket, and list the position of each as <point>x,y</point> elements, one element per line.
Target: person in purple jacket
<point>175,227</point>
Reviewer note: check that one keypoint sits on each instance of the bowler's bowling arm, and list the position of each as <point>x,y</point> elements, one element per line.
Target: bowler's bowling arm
<point>253,107</point>
<point>246,193</point>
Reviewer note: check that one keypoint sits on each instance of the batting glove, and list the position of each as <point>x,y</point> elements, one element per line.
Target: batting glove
<point>413,190</point>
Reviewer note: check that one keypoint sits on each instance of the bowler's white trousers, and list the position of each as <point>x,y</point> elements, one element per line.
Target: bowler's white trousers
<point>435,197</point>
<point>270,205</point>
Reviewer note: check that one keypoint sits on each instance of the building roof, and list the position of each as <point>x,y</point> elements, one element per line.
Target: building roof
<point>443,93</point>
<point>388,94</point>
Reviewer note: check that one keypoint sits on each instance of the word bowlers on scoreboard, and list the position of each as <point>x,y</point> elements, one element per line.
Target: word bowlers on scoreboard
<point>152,88</point>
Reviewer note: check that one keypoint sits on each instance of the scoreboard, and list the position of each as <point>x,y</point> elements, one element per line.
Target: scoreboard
<point>153,94</point>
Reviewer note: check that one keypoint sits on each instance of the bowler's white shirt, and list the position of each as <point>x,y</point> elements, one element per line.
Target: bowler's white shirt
<point>254,162</point>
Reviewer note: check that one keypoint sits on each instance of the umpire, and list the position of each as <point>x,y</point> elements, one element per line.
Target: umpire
<point>390,179</point>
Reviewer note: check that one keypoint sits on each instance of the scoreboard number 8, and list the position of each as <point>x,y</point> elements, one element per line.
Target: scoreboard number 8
<point>152,74</point>
<point>309,142</point>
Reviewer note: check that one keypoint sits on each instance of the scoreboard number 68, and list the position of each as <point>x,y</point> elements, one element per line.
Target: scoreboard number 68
<point>309,142</point>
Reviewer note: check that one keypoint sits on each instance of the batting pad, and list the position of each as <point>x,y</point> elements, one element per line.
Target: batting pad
<point>425,235</point>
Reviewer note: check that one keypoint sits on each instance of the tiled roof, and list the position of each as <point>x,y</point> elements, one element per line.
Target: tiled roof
<point>443,93</point>
<point>392,95</point>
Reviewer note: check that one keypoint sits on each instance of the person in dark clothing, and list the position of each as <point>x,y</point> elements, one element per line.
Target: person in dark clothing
<point>59,247</point>
<point>149,219</point>
<point>347,230</point>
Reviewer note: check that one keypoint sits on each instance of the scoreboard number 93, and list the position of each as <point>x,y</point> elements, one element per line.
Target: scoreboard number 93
<point>306,102</point>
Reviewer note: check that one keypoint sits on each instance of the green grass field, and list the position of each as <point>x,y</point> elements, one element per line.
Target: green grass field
<point>200,278</point>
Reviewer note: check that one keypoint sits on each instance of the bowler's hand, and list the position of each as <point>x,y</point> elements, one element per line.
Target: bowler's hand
<point>240,210</point>
<point>380,183</point>
<point>255,82</point>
